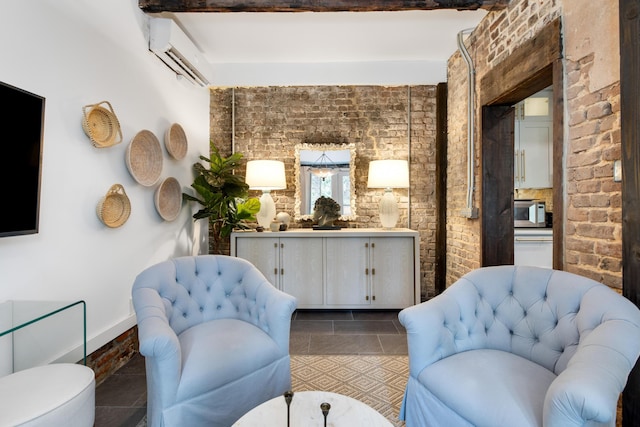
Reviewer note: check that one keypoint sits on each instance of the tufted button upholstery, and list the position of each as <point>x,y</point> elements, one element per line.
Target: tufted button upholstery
<point>199,289</point>
<point>553,319</point>
<point>215,336</point>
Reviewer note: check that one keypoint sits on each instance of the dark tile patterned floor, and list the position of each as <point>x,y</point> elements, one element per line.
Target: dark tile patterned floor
<point>121,399</point>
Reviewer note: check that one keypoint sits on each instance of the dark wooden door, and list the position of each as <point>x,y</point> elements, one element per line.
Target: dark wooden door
<point>497,185</point>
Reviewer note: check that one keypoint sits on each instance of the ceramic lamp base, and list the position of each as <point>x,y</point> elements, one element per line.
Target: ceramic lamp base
<point>267,210</point>
<point>389,213</point>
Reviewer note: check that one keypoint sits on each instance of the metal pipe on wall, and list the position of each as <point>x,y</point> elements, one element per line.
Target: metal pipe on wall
<point>470,211</point>
<point>233,120</point>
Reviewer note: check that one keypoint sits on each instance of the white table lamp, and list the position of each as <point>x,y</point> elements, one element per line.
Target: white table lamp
<point>388,174</point>
<point>266,175</point>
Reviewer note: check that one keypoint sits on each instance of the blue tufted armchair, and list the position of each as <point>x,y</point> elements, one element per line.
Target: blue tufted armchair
<point>215,337</point>
<point>517,347</point>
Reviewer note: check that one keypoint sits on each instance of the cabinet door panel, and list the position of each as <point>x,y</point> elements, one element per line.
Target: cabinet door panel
<point>263,253</point>
<point>533,137</point>
<point>533,250</point>
<point>392,265</point>
<point>536,162</point>
<point>346,268</point>
<point>302,270</point>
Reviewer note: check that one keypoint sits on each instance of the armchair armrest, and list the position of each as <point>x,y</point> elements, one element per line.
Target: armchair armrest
<point>444,325</point>
<point>275,317</point>
<point>160,346</point>
<point>589,388</point>
<point>425,333</point>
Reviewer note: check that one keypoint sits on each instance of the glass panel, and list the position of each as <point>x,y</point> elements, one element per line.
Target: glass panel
<point>35,333</point>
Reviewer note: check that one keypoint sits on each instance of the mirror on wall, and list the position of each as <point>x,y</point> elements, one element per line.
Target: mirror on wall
<point>325,170</point>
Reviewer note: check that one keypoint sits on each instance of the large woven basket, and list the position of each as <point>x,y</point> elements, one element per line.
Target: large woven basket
<point>101,125</point>
<point>144,158</point>
<point>114,208</point>
<point>175,140</point>
<point>168,199</point>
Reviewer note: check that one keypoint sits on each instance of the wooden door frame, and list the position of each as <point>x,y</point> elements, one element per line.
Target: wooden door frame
<point>533,66</point>
<point>630,149</point>
<point>440,267</point>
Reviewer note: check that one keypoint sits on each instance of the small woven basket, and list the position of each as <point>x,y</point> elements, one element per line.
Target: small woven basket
<point>168,199</point>
<point>144,158</point>
<point>175,140</point>
<point>101,125</point>
<point>114,208</point>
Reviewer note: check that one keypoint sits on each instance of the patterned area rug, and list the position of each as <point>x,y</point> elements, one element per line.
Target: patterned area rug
<point>378,381</point>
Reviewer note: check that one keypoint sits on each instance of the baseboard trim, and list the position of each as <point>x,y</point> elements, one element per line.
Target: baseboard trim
<point>96,342</point>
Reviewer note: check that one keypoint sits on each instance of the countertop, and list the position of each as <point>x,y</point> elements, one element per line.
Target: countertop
<point>533,231</point>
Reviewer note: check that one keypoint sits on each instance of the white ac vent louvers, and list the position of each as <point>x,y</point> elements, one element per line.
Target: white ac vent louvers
<point>177,50</point>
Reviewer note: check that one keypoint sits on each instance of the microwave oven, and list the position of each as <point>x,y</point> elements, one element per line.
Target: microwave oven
<point>528,213</point>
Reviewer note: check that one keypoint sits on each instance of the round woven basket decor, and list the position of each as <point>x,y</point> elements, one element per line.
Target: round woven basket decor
<point>114,208</point>
<point>175,141</point>
<point>101,125</point>
<point>168,199</point>
<point>144,158</point>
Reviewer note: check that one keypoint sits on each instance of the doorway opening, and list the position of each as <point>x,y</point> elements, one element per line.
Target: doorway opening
<point>532,67</point>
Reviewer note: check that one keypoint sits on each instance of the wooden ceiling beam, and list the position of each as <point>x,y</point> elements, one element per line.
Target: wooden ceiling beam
<point>157,6</point>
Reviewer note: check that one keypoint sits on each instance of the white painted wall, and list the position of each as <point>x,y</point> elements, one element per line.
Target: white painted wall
<point>75,53</point>
<point>329,73</point>
<point>328,48</point>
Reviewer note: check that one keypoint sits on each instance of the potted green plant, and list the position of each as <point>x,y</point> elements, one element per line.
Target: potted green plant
<point>223,195</point>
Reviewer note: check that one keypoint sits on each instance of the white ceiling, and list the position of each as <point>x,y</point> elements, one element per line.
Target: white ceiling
<point>338,47</point>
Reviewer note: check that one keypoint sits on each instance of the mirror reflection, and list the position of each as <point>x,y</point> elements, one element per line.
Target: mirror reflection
<point>325,170</point>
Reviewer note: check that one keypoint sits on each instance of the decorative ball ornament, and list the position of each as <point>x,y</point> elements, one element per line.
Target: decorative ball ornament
<point>283,217</point>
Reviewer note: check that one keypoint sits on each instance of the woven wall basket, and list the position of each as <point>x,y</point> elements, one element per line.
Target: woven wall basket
<point>144,158</point>
<point>114,208</point>
<point>101,125</point>
<point>168,199</point>
<point>175,141</point>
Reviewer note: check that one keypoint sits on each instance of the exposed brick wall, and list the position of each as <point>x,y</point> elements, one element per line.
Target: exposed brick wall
<point>489,44</point>
<point>503,31</point>
<point>112,356</point>
<point>593,201</point>
<point>463,235</point>
<point>271,121</point>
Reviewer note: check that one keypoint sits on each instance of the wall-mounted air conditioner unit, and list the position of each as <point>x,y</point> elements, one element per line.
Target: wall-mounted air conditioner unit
<point>177,50</point>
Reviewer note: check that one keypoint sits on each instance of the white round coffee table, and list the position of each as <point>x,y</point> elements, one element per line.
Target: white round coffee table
<point>305,412</point>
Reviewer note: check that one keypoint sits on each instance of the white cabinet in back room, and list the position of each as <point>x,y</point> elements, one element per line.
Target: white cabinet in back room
<point>533,246</point>
<point>533,139</point>
<point>345,269</point>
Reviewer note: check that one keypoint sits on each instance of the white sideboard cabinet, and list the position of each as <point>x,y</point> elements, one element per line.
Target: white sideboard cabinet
<point>338,269</point>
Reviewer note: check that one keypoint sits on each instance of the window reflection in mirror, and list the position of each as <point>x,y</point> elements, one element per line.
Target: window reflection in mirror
<point>321,175</point>
<point>325,170</point>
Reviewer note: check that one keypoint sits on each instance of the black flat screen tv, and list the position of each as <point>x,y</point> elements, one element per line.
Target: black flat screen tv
<point>21,136</point>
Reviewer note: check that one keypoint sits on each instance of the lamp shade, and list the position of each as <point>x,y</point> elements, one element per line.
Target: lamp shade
<point>388,174</point>
<point>266,175</point>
